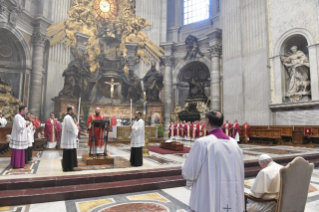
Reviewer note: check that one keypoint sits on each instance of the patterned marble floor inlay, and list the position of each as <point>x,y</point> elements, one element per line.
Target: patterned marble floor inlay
<point>152,196</point>
<point>89,205</point>
<point>135,207</point>
<point>30,168</point>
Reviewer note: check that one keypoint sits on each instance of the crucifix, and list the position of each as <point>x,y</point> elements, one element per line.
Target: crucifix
<point>112,84</point>
<point>227,208</point>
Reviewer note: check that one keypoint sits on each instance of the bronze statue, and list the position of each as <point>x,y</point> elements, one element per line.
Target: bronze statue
<point>153,84</point>
<point>131,87</point>
<point>196,89</point>
<point>74,81</point>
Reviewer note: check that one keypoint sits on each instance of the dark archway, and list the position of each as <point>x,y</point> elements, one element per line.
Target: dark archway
<point>197,71</point>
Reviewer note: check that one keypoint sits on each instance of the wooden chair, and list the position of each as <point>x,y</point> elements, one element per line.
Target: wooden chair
<point>294,186</point>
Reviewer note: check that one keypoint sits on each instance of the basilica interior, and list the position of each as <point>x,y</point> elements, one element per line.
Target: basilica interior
<point>254,61</point>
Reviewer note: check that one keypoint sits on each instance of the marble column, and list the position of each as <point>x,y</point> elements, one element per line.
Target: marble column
<point>215,93</point>
<point>168,91</point>
<point>39,40</point>
<point>131,55</point>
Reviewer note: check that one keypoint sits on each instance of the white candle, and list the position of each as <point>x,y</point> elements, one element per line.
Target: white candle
<point>131,111</point>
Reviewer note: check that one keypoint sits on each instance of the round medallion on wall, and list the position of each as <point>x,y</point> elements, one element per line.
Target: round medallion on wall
<point>5,51</point>
<point>188,75</point>
<point>202,75</point>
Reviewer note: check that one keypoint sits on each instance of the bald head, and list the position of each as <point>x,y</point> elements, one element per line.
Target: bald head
<point>97,111</point>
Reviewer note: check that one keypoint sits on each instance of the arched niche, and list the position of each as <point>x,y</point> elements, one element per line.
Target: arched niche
<point>196,70</point>
<point>296,69</point>
<point>299,37</point>
<point>15,59</point>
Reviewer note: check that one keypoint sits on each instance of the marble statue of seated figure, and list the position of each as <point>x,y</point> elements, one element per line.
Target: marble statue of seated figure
<point>266,185</point>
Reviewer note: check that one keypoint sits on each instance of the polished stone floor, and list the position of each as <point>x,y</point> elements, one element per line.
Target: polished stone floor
<point>165,200</point>
<point>48,163</point>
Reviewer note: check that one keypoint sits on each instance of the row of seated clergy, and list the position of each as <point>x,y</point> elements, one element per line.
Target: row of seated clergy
<point>233,130</point>
<point>187,130</point>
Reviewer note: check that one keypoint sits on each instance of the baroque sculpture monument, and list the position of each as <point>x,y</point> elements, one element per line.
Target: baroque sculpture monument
<point>102,73</point>
<point>298,69</point>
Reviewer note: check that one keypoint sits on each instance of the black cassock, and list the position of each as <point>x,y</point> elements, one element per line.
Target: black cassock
<point>136,156</point>
<point>69,160</point>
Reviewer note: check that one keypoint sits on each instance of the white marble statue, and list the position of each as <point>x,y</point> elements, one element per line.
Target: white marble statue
<point>297,65</point>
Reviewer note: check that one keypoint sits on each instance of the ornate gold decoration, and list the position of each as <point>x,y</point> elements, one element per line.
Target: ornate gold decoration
<point>118,16</point>
<point>105,9</point>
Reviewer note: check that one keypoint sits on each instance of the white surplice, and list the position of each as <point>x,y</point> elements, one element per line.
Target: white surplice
<point>137,134</point>
<point>3,122</point>
<point>266,186</point>
<point>216,168</point>
<point>19,134</point>
<point>69,133</point>
<point>30,134</point>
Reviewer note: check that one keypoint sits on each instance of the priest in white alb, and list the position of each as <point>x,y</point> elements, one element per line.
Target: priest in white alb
<point>266,185</point>
<point>68,141</point>
<point>214,169</point>
<point>19,140</point>
<point>137,140</point>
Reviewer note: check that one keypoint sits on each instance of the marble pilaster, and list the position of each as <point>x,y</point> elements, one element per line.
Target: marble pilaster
<point>168,90</point>
<point>37,74</point>
<point>215,93</point>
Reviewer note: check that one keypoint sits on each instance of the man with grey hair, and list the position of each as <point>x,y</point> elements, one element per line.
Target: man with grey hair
<point>266,185</point>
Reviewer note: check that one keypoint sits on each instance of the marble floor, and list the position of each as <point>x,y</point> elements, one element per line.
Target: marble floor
<point>165,200</point>
<point>48,163</point>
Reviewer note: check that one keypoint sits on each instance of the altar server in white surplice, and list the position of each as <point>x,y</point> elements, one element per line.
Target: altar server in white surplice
<point>3,121</point>
<point>30,133</point>
<point>19,139</point>
<point>137,140</point>
<point>214,169</point>
<point>266,185</point>
<point>68,141</point>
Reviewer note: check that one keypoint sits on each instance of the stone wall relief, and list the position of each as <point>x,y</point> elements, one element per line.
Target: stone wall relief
<point>14,15</point>
<point>297,70</point>
<point>192,47</point>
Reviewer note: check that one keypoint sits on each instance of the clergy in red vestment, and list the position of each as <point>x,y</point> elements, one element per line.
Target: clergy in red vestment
<point>246,128</point>
<point>36,122</point>
<point>182,129</point>
<point>203,130</point>
<point>187,131</point>
<point>59,131</point>
<point>113,121</point>
<point>236,131</point>
<point>98,133</point>
<point>51,132</point>
<point>194,131</point>
<point>171,130</point>
<point>227,128</point>
<point>178,130</point>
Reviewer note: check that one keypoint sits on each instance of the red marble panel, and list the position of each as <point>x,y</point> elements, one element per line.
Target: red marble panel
<point>133,207</point>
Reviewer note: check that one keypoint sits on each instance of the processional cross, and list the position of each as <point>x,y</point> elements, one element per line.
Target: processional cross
<point>112,84</point>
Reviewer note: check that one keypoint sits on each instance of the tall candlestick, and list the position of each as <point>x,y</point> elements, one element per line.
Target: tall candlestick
<point>131,111</point>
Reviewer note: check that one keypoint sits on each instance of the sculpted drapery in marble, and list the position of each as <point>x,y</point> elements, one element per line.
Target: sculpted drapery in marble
<point>298,68</point>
